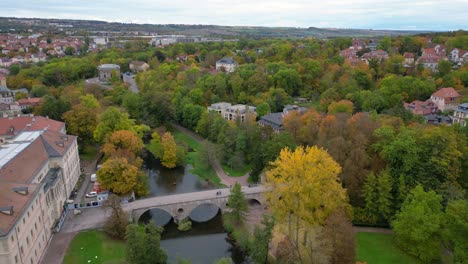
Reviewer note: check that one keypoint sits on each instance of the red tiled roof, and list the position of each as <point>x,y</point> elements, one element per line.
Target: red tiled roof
<point>446,92</point>
<point>408,55</point>
<point>21,123</point>
<point>30,101</point>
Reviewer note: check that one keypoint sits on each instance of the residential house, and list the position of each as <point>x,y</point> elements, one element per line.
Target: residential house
<point>429,61</point>
<point>460,114</point>
<point>138,66</point>
<point>32,196</point>
<point>275,120</point>
<point>409,58</point>
<point>358,44</point>
<point>372,45</point>
<point>457,55</point>
<point>6,95</point>
<point>107,71</point>
<point>27,103</point>
<point>421,108</point>
<point>226,64</point>
<point>5,62</point>
<point>10,110</point>
<point>438,119</point>
<point>446,98</point>
<point>378,54</point>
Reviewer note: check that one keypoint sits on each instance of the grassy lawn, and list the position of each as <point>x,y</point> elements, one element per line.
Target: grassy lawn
<point>375,248</point>
<point>208,174</point>
<point>86,246</point>
<point>89,152</point>
<point>238,172</point>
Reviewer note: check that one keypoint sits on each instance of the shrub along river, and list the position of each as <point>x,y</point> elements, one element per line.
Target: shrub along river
<point>207,241</point>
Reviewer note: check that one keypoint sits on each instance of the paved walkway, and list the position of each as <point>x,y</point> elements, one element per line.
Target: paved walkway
<point>225,179</point>
<point>187,197</point>
<point>130,79</point>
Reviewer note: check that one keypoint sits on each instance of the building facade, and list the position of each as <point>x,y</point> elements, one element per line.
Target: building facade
<point>234,112</point>
<point>107,71</point>
<point>446,98</point>
<point>226,64</point>
<point>32,197</point>
<point>460,114</point>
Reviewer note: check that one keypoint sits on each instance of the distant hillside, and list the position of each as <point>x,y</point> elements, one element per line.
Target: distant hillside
<point>24,24</point>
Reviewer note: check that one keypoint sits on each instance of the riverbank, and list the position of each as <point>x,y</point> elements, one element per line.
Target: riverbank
<point>225,179</point>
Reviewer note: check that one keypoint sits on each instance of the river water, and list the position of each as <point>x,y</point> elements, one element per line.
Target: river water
<point>207,241</point>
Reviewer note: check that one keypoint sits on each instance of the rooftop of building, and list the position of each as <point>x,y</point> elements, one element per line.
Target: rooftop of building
<point>109,67</point>
<point>227,60</point>
<point>21,159</point>
<point>10,126</point>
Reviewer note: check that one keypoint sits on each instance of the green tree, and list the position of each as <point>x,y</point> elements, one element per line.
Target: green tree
<point>155,146</point>
<point>261,240</point>
<point>144,244</point>
<point>14,69</point>
<point>385,43</point>
<point>120,176</point>
<point>69,51</point>
<point>53,108</point>
<point>263,109</point>
<point>377,192</point>
<point>118,221</point>
<point>456,230</point>
<point>237,203</point>
<point>81,121</point>
<point>418,225</point>
<point>444,67</point>
<point>169,158</point>
<point>111,120</point>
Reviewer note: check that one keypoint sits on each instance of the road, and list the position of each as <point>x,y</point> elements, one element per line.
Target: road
<point>130,79</point>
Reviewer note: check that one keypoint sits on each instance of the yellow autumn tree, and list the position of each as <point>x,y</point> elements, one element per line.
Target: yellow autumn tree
<point>304,189</point>
<point>169,157</point>
<point>120,176</point>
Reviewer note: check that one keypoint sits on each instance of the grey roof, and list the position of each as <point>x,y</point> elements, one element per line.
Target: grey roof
<point>274,120</point>
<point>3,88</point>
<point>50,150</point>
<point>438,119</point>
<point>462,108</point>
<point>109,66</point>
<point>227,61</point>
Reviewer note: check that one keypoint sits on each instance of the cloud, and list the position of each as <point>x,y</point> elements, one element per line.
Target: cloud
<point>377,14</point>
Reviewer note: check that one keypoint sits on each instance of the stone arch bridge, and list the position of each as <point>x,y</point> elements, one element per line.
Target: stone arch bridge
<point>179,206</point>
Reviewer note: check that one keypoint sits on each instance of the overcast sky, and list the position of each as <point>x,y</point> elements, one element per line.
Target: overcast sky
<point>375,14</point>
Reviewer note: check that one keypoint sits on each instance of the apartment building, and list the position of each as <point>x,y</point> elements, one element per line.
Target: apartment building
<point>38,170</point>
<point>233,112</point>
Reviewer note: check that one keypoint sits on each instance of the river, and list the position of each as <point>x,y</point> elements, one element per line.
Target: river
<point>207,241</point>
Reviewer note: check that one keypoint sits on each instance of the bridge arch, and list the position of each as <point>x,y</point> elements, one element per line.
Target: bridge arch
<point>205,212</point>
<point>160,217</point>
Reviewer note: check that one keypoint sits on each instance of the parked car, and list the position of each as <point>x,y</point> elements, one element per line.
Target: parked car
<point>93,177</point>
<point>91,194</point>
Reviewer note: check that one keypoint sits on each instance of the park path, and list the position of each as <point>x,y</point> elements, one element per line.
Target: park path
<point>225,179</point>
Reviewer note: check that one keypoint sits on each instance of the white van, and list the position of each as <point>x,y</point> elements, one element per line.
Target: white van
<point>93,177</point>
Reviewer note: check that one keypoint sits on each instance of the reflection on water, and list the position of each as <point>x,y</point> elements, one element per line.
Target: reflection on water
<point>163,181</point>
<point>207,241</point>
<point>204,243</point>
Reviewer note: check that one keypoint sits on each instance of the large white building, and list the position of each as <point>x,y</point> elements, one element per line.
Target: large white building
<point>233,112</point>
<point>38,171</point>
<point>226,64</point>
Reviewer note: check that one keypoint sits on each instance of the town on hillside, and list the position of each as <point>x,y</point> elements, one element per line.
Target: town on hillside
<point>132,143</point>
